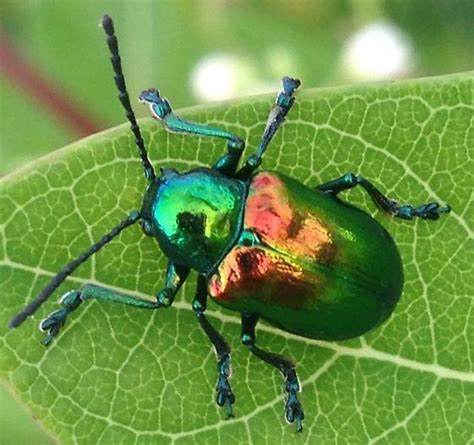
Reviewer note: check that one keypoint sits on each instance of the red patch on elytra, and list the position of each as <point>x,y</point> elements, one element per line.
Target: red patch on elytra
<point>262,275</point>
<point>267,211</point>
<point>283,224</point>
<point>265,180</point>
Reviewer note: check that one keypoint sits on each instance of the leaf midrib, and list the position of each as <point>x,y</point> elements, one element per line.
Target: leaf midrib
<point>365,351</point>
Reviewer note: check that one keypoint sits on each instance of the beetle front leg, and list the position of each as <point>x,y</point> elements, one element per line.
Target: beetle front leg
<point>224,395</point>
<point>72,300</point>
<point>161,110</point>
<point>175,277</point>
<point>293,409</point>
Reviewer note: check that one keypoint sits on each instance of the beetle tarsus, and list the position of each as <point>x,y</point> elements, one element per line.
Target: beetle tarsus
<point>293,409</point>
<point>430,211</point>
<point>56,320</point>
<point>285,99</point>
<point>225,396</point>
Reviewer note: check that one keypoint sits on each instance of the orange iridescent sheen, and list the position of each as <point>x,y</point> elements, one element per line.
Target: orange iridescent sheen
<point>307,263</point>
<point>273,272</point>
<point>276,279</point>
<point>280,224</point>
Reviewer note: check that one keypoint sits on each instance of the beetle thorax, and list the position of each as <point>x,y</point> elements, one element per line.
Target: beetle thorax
<point>195,216</point>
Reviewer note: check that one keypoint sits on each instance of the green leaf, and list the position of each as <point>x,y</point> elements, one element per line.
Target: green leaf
<point>123,375</point>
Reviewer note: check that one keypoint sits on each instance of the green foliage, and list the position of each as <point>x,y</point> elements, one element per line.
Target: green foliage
<point>118,375</point>
<point>162,41</point>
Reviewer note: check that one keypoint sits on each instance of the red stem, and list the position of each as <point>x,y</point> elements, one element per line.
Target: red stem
<point>32,82</point>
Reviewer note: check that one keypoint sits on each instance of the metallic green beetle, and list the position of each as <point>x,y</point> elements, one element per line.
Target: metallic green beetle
<point>262,243</point>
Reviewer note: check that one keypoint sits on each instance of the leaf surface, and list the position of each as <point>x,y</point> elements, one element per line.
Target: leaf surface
<point>123,375</point>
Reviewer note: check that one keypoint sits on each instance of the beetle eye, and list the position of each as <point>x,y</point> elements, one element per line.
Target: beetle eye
<point>147,228</point>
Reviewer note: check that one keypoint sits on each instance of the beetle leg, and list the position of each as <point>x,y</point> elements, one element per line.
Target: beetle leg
<point>175,277</point>
<point>161,110</point>
<point>224,396</point>
<point>284,102</point>
<point>293,409</point>
<point>72,299</point>
<point>431,210</point>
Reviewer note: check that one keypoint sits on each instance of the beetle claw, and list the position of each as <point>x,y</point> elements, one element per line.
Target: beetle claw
<point>55,321</point>
<point>225,396</point>
<point>293,409</point>
<point>431,211</point>
<point>53,324</point>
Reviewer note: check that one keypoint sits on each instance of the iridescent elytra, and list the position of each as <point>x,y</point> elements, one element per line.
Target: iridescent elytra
<point>262,243</point>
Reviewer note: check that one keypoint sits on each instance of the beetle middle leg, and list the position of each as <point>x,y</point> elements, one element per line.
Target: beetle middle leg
<point>293,409</point>
<point>175,277</point>
<point>224,396</point>
<point>431,210</point>
<point>284,102</point>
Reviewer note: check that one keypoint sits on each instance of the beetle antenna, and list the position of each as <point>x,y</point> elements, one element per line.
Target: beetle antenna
<point>68,269</point>
<point>108,25</point>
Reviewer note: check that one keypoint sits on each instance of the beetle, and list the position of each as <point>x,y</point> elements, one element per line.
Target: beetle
<point>262,243</point>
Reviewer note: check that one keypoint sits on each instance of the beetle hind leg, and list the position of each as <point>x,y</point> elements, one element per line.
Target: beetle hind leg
<point>293,409</point>
<point>430,211</point>
<point>224,395</point>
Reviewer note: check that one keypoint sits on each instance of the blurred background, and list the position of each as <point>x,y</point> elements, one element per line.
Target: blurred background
<point>56,83</point>
<point>55,78</point>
